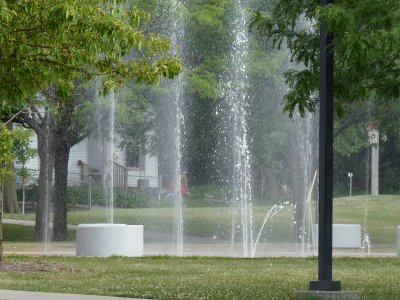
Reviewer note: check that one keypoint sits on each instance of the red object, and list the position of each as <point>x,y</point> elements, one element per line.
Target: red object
<point>184,186</point>
<point>184,191</point>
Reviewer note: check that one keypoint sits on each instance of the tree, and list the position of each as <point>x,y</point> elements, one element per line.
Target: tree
<point>41,120</point>
<point>71,127</point>
<point>50,44</point>
<point>7,141</point>
<point>23,152</point>
<point>10,201</point>
<point>352,149</point>
<point>367,49</point>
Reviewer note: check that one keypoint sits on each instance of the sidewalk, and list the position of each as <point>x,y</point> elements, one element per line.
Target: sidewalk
<point>19,295</point>
<point>29,223</point>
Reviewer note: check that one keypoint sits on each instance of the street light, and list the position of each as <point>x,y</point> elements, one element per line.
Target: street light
<point>325,207</point>
<point>350,175</point>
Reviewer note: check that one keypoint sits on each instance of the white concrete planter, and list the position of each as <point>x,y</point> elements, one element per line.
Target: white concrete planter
<point>343,235</point>
<point>109,239</point>
<point>398,240</point>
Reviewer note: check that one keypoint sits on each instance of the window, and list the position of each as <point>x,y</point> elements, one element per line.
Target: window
<point>133,156</point>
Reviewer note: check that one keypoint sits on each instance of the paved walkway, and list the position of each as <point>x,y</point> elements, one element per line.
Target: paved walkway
<point>29,223</point>
<point>18,295</point>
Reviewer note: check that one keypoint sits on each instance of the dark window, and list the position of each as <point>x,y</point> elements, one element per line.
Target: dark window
<point>133,157</point>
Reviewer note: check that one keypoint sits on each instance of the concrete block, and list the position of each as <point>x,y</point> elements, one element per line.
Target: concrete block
<point>398,241</point>
<point>343,235</point>
<point>109,239</point>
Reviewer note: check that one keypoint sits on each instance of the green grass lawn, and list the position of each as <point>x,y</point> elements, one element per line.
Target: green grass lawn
<point>203,222</point>
<point>17,233</point>
<point>379,215</point>
<point>209,277</point>
<point>196,277</point>
<point>23,233</point>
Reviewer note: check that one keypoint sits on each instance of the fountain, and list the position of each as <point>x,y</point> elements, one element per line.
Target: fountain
<point>107,239</point>
<point>270,214</point>
<point>255,194</point>
<point>305,215</point>
<point>176,37</point>
<point>233,154</point>
<point>235,138</point>
<point>234,113</point>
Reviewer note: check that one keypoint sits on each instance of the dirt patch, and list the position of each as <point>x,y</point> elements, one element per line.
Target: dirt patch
<point>35,266</point>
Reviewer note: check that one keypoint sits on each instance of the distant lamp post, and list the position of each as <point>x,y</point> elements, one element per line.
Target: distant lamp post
<point>373,136</point>
<point>350,175</point>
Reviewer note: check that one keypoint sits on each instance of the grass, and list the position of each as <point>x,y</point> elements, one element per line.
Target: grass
<point>195,277</point>
<point>23,233</point>
<point>380,214</point>
<point>203,222</point>
<point>208,222</point>
<point>209,277</point>
<point>16,233</point>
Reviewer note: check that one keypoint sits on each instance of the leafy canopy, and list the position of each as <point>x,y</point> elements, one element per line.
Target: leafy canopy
<point>44,42</point>
<point>366,44</point>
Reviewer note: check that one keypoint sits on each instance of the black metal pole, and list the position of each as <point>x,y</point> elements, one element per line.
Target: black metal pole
<point>324,282</point>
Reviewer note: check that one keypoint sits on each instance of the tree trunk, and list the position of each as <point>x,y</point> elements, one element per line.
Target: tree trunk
<point>60,193</point>
<point>10,200</point>
<point>46,156</point>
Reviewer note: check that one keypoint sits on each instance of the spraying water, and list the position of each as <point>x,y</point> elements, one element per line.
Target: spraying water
<point>306,141</point>
<point>235,82</point>
<point>366,242</point>
<point>47,188</point>
<point>177,34</point>
<point>110,159</point>
<point>270,214</point>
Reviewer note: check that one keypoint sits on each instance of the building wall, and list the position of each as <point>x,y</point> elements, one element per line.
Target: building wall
<point>78,152</point>
<point>33,163</point>
<point>90,151</point>
<point>150,172</point>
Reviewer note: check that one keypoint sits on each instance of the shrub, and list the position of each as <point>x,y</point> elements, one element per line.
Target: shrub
<point>134,199</point>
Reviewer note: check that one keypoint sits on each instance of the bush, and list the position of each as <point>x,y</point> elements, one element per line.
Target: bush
<point>80,196</point>
<point>31,193</point>
<point>134,199</point>
<point>131,198</point>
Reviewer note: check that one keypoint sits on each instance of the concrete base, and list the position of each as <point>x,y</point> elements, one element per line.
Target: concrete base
<point>398,241</point>
<point>109,239</point>
<point>325,285</point>
<point>327,295</point>
<point>343,235</point>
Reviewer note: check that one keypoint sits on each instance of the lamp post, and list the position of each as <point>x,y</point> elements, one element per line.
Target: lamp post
<point>324,282</point>
<point>350,175</point>
<point>373,134</point>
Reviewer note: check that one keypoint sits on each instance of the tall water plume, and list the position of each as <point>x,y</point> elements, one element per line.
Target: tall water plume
<point>304,183</point>
<point>110,160</point>
<point>177,32</point>
<point>234,129</point>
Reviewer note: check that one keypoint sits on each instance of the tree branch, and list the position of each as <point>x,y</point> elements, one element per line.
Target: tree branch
<point>14,116</point>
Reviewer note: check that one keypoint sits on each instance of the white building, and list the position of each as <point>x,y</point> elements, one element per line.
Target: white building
<point>87,158</point>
